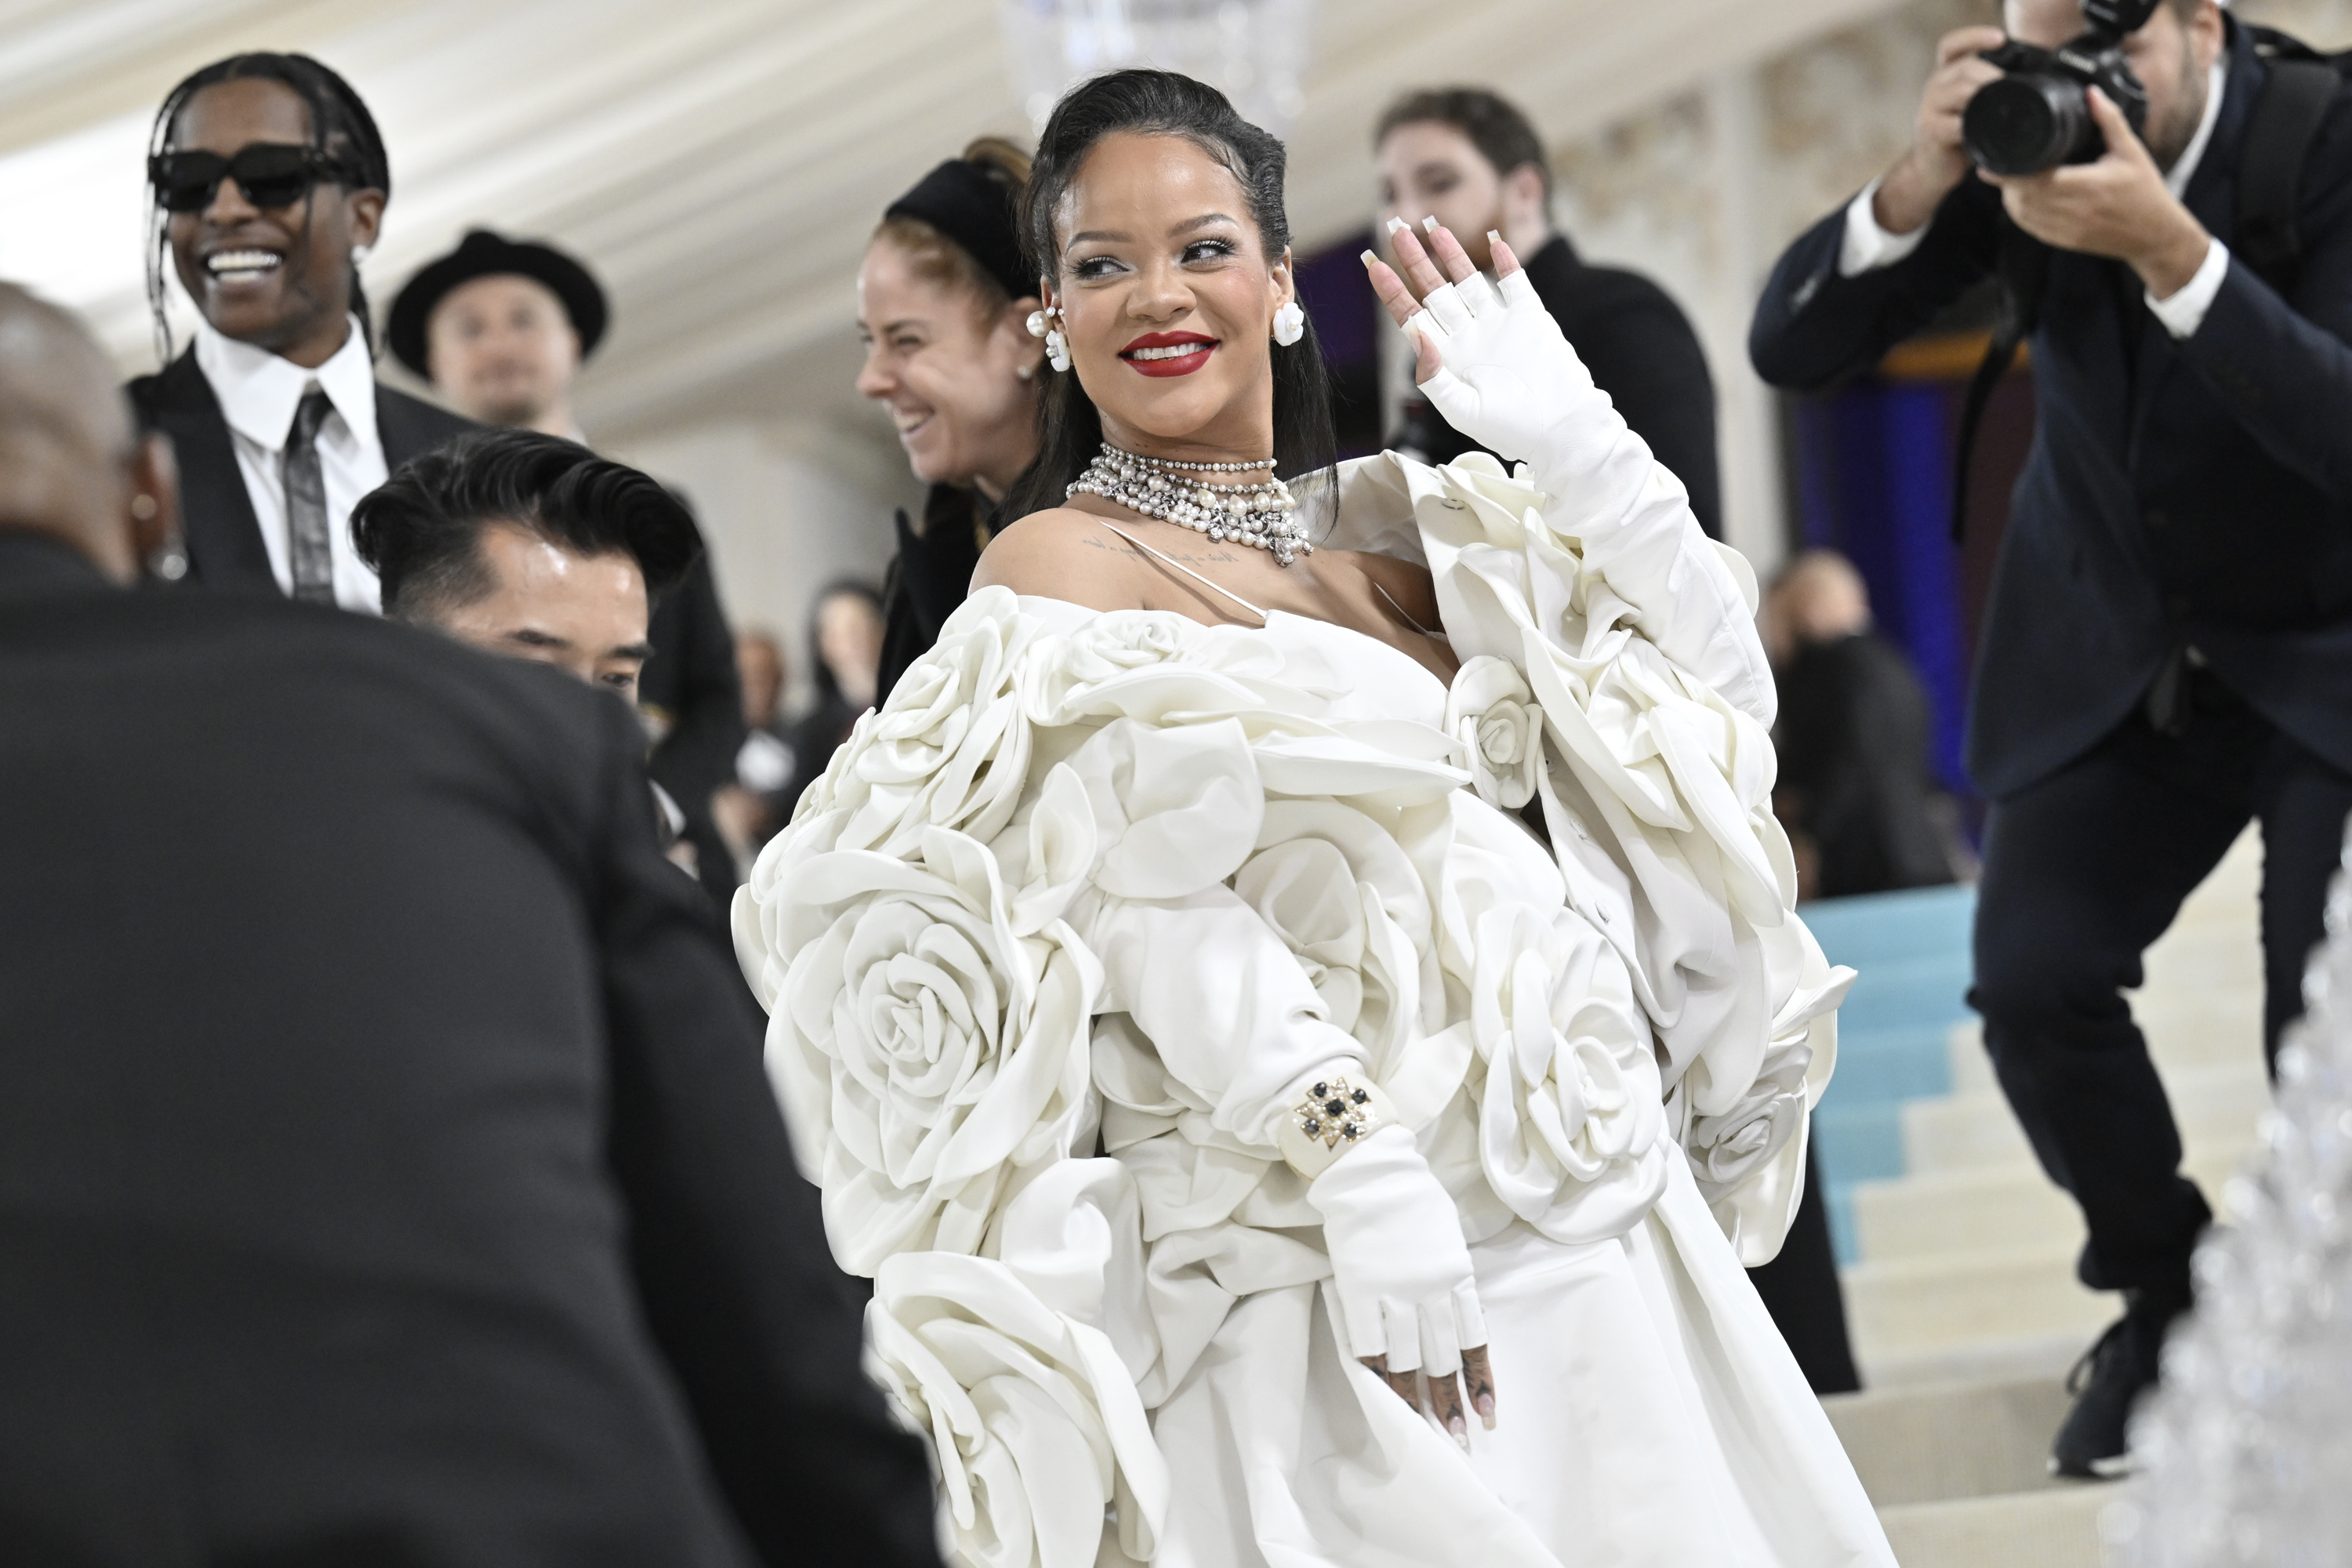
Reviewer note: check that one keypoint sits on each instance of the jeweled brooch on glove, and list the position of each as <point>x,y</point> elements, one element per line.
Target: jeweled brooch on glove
<point>1333,1117</point>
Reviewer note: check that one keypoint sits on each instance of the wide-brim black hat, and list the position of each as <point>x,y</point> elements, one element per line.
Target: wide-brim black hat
<point>483,254</point>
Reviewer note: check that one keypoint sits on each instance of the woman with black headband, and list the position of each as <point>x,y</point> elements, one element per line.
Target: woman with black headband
<point>944,298</point>
<point>269,180</point>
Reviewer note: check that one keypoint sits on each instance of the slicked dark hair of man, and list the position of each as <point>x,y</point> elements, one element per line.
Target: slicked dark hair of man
<point>421,530</point>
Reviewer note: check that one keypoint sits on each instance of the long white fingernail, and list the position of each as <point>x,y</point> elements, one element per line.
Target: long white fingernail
<point>1429,224</point>
<point>1493,239</point>
<point>1397,225</point>
<point>1460,1430</point>
<point>1370,257</point>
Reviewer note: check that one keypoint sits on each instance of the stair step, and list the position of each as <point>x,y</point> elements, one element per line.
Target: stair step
<point>2214,1106</point>
<point>2047,1357</point>
<point>2057,1527</point>
<point>1859,930</point>
<point>1906,991</point>
<point>1913,1062</point>
<point>1991,1207</point>
<point>2218,1029</point>
<point>1953,1297</point>
<point>1943,1441</point>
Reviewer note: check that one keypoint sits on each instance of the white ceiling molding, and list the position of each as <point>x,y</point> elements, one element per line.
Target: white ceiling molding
<point>721,161</point>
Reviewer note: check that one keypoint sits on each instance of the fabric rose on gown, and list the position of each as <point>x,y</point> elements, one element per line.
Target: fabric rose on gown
<point>1339,890</point>
<point>951,747</point>
<point>924,1044</point>
<point>1728,1148</point>
<point>1493,717</point>
<point>1031,1407</point>
<point>1571,1119</point>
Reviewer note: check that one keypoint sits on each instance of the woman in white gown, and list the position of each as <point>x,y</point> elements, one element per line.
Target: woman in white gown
<point>1228,1089</point>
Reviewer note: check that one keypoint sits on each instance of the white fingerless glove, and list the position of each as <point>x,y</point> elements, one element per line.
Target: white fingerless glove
<point>1398,1260</point>
<point>1509,381</point>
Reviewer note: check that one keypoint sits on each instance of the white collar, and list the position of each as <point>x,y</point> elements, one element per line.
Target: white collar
<point>259,391</point>
<point>2216,83</point>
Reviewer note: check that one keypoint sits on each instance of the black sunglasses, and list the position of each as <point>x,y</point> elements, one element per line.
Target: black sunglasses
<point>270,173</point>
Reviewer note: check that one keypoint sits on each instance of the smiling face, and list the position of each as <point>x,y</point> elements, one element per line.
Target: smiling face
<point>277,278</point>
<point>949,369</point>
<point>1168,299</point>
<point>585,614</point>
<point>504,350</point>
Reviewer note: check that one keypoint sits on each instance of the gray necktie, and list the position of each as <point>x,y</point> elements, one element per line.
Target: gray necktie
<point>308,551</point>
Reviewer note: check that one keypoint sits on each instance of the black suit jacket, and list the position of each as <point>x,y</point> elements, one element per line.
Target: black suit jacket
<point>693,682</point>
<point>2177,493</point>
<point>387,1171</point>
<point>224,537</point>
<point>1640,350</point>
<point>927,582</point>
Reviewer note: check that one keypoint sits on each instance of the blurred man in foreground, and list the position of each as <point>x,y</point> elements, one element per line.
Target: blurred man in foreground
<point>387,1173</point>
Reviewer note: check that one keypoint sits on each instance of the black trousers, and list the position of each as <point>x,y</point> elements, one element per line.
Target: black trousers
<point>1800,1288</point>
<point>2082,871</point>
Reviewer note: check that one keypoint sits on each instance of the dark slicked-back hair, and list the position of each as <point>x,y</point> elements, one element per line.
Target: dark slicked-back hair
<point>340,124</point>
<point>1162,104</point>
<point>421,530</point>
<point>1502,135</point>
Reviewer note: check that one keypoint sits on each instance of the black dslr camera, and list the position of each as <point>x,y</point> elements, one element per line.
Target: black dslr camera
<point>2038,115</point>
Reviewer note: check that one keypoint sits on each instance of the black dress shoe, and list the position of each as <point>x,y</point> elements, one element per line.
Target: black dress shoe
<point>2105,1384</point>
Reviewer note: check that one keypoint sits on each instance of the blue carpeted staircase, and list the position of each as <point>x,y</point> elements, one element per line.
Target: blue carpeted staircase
<point>1912,952</point>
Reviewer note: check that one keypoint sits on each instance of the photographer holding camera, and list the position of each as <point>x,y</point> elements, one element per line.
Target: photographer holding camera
<point>2165,196</point>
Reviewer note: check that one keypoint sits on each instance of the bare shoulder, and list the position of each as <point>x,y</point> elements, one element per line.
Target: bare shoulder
<point>1063,554</point>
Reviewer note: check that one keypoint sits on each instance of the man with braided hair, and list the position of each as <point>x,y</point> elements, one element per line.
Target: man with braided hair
<point>387,1170</point>
<point>271,180</point>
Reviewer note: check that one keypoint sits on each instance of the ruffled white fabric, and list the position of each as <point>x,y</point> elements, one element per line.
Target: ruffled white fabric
<point>1069,920</point>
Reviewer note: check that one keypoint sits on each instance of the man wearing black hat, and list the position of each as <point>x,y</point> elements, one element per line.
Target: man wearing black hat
<point>500,327</point>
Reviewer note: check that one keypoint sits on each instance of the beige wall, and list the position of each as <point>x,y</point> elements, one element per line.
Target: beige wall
<point>785,507</point>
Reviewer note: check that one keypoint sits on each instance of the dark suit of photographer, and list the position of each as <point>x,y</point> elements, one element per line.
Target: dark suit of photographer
<point>2168,651</point>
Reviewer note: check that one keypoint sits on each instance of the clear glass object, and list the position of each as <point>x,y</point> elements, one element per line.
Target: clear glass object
<point>2246,1448</point>
<point>1254,50</point>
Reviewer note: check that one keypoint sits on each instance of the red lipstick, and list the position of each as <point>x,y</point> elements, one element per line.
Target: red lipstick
<point>1199,346</point>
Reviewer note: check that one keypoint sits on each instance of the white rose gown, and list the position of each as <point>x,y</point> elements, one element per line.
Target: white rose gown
<point>1068,922</point>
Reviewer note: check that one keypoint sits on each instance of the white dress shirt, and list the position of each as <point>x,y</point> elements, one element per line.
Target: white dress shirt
<point>258,392</point>
<point>1865,247</point>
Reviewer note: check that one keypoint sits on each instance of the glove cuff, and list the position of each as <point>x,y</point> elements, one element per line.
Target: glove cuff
<point>1335,1114</point>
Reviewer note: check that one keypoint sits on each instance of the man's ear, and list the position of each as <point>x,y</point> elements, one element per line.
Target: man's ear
<point>2207,35</point>
<point>367,216</point>
<point>154,501</point>
<point>1525,202</point>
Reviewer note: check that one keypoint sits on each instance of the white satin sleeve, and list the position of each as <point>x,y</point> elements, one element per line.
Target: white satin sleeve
<point>1226,1006</point>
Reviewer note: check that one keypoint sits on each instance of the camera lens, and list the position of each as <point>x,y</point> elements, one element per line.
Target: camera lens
<point>2025,124</point>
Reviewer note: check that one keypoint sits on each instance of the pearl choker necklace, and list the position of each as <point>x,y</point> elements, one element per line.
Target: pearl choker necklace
<point>1264,514</point>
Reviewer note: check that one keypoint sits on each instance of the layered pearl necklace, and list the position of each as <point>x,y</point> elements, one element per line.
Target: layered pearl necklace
<point>1264,514</point>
